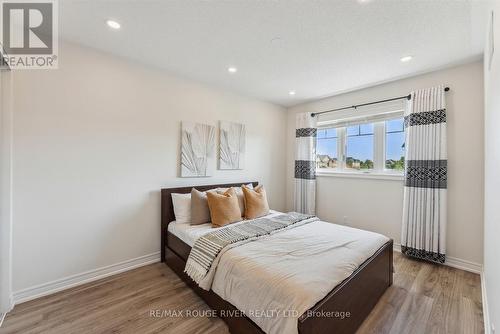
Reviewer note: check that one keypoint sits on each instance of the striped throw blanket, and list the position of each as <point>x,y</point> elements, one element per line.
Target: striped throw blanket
<point>207,249</point>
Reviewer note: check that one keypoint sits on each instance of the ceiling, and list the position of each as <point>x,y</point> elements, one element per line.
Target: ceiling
<point>316,48</point>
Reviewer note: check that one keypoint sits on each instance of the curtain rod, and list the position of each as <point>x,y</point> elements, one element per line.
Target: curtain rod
<point>369,103</point>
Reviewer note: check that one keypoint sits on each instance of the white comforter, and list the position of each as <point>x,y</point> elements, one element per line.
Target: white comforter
<point>276,278</point>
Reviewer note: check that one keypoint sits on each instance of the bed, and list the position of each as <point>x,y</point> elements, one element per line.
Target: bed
<point>356,294</point>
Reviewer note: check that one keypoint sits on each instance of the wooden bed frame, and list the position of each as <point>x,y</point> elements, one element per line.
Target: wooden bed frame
<point>357,294</point>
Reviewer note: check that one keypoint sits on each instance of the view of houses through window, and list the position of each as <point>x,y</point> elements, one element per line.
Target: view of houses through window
<point>326,148</point>
<point>395,144</point>
<point>353,147</point>
<point>359,146</point>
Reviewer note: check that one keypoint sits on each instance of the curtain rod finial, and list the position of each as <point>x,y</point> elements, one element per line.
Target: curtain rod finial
<point>446,89</point>
<point>313,114</point>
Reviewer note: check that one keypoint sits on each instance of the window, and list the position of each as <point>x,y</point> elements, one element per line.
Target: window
<point>376,146</point>
<point>326,148</point>
<point>359,146</point>
<point>395,144</point>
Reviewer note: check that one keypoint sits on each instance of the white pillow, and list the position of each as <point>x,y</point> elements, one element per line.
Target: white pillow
<point>182,207</point>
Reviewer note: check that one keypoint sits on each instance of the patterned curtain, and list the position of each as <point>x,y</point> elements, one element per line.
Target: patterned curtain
<point>424,213</point>
<point>305,164</point>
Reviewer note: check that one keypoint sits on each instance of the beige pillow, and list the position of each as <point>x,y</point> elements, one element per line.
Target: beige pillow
<point>224,208</point>
<point>200,213</point>
<point>255,202</point>
<point>239,194</point>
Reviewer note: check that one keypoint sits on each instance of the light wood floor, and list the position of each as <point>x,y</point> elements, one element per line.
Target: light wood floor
<point>425,298</point>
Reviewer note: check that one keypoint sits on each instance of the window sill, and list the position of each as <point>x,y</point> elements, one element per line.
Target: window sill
<point>361,175</point>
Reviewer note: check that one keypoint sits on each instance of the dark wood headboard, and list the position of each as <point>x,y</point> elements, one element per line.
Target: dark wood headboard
<point>167,209</point>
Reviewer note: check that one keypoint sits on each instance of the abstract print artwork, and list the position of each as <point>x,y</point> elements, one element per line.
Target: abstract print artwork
<point>197,149</point>
<point>232,145</point>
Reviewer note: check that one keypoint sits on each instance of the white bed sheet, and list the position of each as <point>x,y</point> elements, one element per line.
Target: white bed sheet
<point>276,278</point>
<point>285,272</point>
<point>190,233</point>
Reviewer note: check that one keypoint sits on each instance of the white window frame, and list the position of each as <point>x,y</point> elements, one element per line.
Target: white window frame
<point>379,154</point>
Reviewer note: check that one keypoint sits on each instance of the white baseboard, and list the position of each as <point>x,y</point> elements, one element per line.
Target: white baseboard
<point>96,274</point>
<point>454,262</point>
<point>82,278</point>
<point>2,316</point>
<point>486,313</point>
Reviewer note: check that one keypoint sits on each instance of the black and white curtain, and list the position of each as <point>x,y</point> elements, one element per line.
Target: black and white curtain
<point>424,212</point>
<point>305,164</point>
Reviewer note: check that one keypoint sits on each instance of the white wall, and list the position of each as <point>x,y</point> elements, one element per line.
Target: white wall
<point>94,142</point>
<point>377,205</point>
<point>6,302</point>
<point>492,179</point>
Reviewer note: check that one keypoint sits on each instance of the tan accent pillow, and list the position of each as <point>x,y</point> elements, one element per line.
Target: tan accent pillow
<point>224,208</point>
<point>255,202</point>
<point>239,194</point>
<point>200,213</point>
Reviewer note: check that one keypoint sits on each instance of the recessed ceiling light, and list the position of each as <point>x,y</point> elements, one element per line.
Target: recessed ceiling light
<point>232,69</point>
<point>292,92</point>
<point>113,24</point>
<point>364,1</point>
<point>406,59</point>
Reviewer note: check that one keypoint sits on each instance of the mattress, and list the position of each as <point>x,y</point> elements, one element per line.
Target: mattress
<point>189,233</point>
<point>276,278</point>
